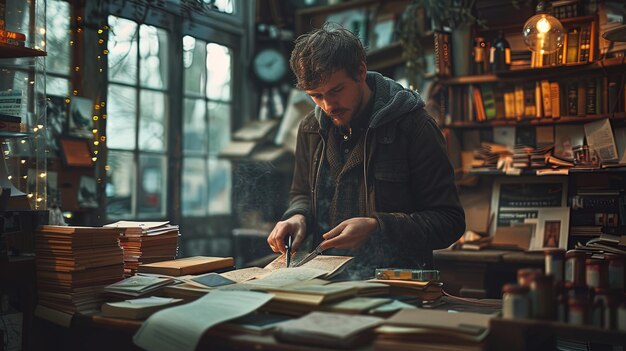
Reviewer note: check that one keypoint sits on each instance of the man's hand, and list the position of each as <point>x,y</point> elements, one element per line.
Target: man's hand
<point>350,233</point>
<point>294,225</point>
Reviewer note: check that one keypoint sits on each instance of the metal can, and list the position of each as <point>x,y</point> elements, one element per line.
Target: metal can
<point>578,313</point>
<point>515,301</point>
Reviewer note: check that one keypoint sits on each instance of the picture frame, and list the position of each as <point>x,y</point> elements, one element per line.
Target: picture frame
<point>56,113</point>
<point>518,199</point>
<point>80,117</point>
<point>552,228</point>
<point>76,152</point>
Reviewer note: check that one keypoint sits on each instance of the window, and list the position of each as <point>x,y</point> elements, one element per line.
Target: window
<point>137,116</point>
<point>58,38</point>
<point>207,106</point>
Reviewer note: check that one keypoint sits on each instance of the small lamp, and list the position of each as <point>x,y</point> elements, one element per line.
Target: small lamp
<point>542,32</point>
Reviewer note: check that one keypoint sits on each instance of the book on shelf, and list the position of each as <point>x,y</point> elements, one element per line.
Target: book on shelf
<point>443,55</point>
<point>140,308</point>
<point>188,265</point>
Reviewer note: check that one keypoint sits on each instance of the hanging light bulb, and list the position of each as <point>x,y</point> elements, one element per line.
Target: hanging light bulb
<point>543,33</point>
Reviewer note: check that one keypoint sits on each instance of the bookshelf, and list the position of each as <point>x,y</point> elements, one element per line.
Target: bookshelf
<point>361,16</point>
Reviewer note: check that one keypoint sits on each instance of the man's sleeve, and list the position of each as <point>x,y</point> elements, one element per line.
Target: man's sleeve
<point>299,195</point>
<point>440,219</point>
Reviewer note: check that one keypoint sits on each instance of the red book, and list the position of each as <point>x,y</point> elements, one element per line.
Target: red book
<point>6,34</point>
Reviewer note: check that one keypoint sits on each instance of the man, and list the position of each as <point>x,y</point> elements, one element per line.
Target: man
<point>371,171</point>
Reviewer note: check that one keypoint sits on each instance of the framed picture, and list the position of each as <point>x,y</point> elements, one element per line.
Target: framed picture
<point>76,152</point>
<point>56,112</point>
<point>552,228</point>
<point>87,193</point>
<point>81,122</point>
<point>517,200</point>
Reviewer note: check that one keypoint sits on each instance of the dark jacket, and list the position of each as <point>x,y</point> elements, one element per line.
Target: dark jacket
<point>408,177</point>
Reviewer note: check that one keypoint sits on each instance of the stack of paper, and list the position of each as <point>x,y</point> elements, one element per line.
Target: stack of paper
<point>137,308</point>
<point>138,285</point>
<point>74,264</point>
<point>433,330</point>
<point>146,242</point>
<point>328,329</point>
<point>425,291</point>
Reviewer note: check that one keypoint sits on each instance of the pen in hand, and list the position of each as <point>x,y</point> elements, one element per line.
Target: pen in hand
<point>288,252</point>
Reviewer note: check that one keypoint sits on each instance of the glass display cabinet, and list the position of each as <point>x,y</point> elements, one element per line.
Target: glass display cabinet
<point>23,105</point>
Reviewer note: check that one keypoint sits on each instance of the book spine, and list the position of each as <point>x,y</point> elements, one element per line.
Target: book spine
<point>10,127</point>
<point>547,102</point>
<point>12,42</point>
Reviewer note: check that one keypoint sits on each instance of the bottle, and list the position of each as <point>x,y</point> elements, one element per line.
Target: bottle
<point>555,263</point>
<point>500,54</point>
<point>480,55</point>
<point>515,301</point>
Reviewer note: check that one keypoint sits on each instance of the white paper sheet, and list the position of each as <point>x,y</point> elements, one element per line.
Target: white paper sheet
<point>180,328</point>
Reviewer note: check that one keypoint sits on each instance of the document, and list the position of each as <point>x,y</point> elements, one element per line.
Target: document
<point>600,138</point>
<point>180,328</point>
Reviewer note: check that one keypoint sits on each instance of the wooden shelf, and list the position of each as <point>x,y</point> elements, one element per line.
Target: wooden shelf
<point>11,51</point>
<point>386,57</point>
<point>539,73</point>
<point>8,135</point>
<point>533,172</point>
<point>621,117</point>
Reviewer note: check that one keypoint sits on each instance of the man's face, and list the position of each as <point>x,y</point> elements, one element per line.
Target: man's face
<point>341,97</point>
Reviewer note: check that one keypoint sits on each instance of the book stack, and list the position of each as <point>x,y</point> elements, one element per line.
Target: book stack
<point>146,242</point>
<point>188,265</point>
<point>539,155</point>
<point>521,156</point>
<point>74,264</point>
<point>491,153</point>
<point>12,38</point>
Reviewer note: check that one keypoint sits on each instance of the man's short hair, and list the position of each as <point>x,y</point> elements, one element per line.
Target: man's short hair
<point>323,51</point>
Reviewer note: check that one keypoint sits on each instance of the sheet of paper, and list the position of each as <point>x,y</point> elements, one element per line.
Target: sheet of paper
<point>328,324</point>
<point>180,328</point>
<point>152,300</point>
<point>600,138</point>
<point>133,224</point>
<point>245,274</point>
<point>286,276</point>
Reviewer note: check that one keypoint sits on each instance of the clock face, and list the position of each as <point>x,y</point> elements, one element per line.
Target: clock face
<point>270,65</point>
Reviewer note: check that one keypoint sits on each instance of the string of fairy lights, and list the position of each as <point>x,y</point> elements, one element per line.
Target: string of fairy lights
<point>99,115</point>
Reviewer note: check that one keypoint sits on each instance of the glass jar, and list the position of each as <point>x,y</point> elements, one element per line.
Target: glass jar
<point>596,273</point>
<point>542,297</point>
<point>615,272</point>
<point>555,262</point>
<point>578,313</point>
<point>575,268</point>
<point>515,301</point>
<point>500,54</point>
<point>525,276</point>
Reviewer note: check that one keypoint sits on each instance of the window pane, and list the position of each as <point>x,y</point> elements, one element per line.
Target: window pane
<point>152,186</point>
<point>218,64</point>
<point>152,121</point>
<point>219,186</point>
<point>58,36</point>
<point>121,113</point>
<point>153,56</point>
<point>194,126</point>
<point>194,58</point>
<point>195,193</point>
<point>219,126</point>
<point>122,48</point>
<point>57,86</point>
<point>120,184</point>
